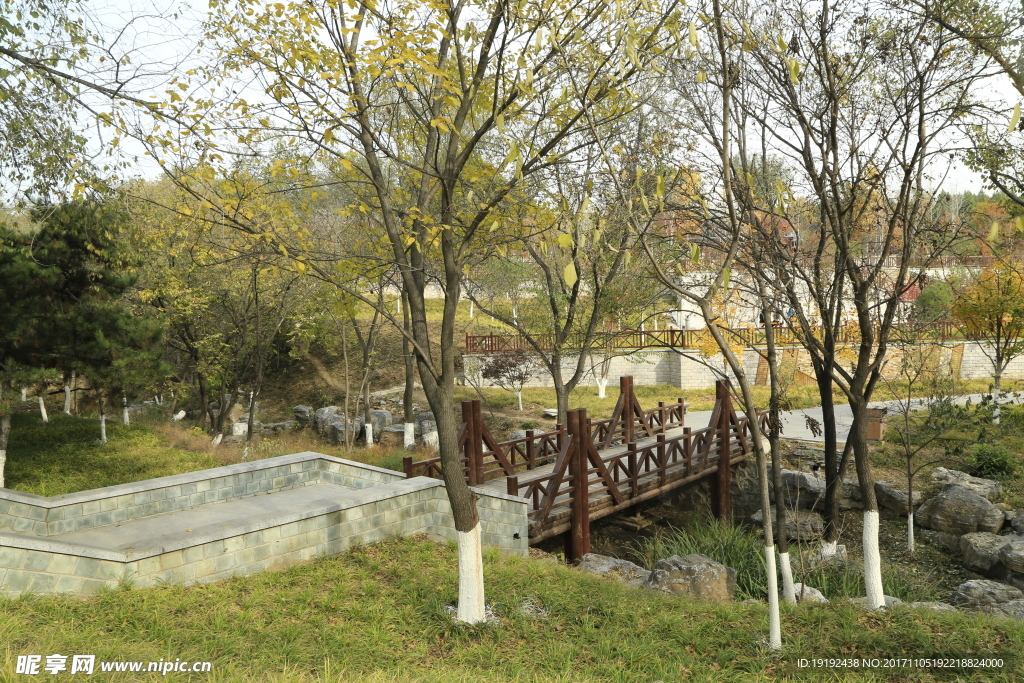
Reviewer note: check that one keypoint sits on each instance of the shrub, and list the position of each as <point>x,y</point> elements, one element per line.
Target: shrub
<point>991,460</point>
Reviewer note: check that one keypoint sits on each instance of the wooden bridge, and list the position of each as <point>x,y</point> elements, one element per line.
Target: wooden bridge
<point>585,470</point>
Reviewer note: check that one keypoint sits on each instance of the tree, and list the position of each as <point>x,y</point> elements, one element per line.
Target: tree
<point>431,115</point>
<point>991,311</point>
<point>510,371</point>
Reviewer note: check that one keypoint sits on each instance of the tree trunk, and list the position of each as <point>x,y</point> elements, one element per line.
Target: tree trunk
<point>996,387</point>
<point>775,429</point>
<point>830,535</point>
<point>42,407</point>
<point>67,394</point>
<point>103,419</point>
<point>125,418</point>
<point>24,394</point>
<point>204,400</point>
<point>602,386</point>
<point>5,432</point>
<point>872,555</point>
<point>519,395</point>
<point>409,437</point>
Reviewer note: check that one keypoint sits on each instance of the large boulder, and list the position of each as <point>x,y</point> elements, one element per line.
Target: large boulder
<point>986,488</point>
<point>959,511</point>
<point>424,422</point>
<point>393,436</point>
<point>380,419</point>
<point>980,551</point>
<point>1018,522</point>
<point>326,416</point>
<point>277,427</point>
<point>850,496</point>
<point>984,592</point>
<point>622,571</point>
<point>336,430</point>
<point>801,525</point>
<point>895,499</point>
<point>1013,609</point>
<point>803,489</point>
<point>696,575</point>
<point>1011,554</point>
<point>303,415</point>
<point>888,600</point>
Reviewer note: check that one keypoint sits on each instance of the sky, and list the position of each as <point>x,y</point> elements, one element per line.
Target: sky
<point>161,35</point>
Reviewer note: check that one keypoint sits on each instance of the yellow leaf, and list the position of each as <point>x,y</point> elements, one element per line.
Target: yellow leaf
<point>993,232</point>
<point>565,242</point>
<point>1014,119</point>
<point>701,77</point>
<point>693,34</point>
<point>569,275</point>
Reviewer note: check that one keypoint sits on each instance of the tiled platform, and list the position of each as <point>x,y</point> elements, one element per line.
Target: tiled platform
<point>235,520</point>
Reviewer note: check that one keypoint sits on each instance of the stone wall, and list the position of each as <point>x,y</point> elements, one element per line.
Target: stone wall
<point>692,371</point>
<point>376,504</point>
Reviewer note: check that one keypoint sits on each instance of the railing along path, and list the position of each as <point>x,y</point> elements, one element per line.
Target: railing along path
<point>588,469</point>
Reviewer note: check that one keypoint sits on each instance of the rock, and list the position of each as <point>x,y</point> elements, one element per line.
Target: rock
<point>1013,609</point>
<point>336,430</point>
<point>982,592</point>
<point>696,575</point>
<point>551,413</point>
<point>948,541</point>
<point>807,594</point>
<point>801,525</point>
<point>937,606</point>
<point>425,416</point>
<point>803,489</point>
<point>979,550</point>
<point>380,419</point>
<point>1018,522</point>
<point>430,440</point>
<point>277,427</point>
<point>178,416</point>
<point>890,601</point>
<point>517,434</point>
<point>959,511</point>
<point>326,416</point>
<point>1011,554</point>
<point>892,498</point>
<point>622,571</point>
<point>807,456</point>
<point>819,557</point>
<point>393,436</point>
<point>986,488</point>
<point>303,415</point>
<point>850,496</point>
<point>239,429</point>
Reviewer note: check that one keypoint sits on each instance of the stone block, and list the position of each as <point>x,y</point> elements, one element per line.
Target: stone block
<point>192,555</point>
<point>62,564</point>
<point>696,575</point>
<point>149,565</point>
<point>172,560</point>
<point>959,511</point>
<point>68,584</point>
<point>980,592</point>
<point>17,581</point>
<point>979,550</point>
<point>37,561</point>
<point>986,488</point>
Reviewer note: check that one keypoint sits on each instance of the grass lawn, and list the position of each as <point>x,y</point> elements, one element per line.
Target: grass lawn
<point>377,613</point>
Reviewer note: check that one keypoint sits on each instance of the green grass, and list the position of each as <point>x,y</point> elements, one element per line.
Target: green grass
<point>377,614</point>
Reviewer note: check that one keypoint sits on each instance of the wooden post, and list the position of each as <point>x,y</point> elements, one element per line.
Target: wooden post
<point>579,531</point>
<point>723,503</point>
<point>634,475</point>
<point>688,450</point>
<point>626,397</point>
<point>661,459</point>
<point>407,466</point>
<point>661,415</point>
<point>531,451</point>
<point>512,486</point>
<point>467,446</point>
<point>478,446</point>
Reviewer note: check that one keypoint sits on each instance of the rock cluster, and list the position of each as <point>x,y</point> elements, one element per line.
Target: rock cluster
<point>696,575</point>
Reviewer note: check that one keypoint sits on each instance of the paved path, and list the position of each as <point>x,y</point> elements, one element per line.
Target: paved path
<point>794,423</point>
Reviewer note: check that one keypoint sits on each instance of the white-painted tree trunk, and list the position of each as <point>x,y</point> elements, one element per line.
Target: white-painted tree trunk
<point>67,396</point>
<point>519,395</point>
<point>872,561</point>
<point>774,619</point>
<point>24,394</point>
<point>409,437</point>
<point>103,427</point>
<point>42,409</point>
<point>602,386</point>
<point>910,531</point>
<point>471,577</point>
<point>179,416</point>
<point>471,302</point>
<point>995,400</point>
<point>217,439</point>
<point>368,432</point>
<point>125,418</point>
<point>3,462</point>
<point>788,589</point>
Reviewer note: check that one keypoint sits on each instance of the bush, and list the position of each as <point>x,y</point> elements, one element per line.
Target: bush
<point>991,460</point>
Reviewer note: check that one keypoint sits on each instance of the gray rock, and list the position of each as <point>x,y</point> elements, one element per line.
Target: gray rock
<point>276,427</point>
<point>986,488</point>
<point>801,525</point>
<point>1013,609</point>
<point>892,498</point>
<point>943,540</point>
<point>324,417</point>
<point>981,592</point>
<point>696,575</point>
<point>803,489</point>
<point>817,557</point>
<point>936,606</point>
<point>419,418</point>
<point>808,594</point>
<point>393,436</point>
<point>380,419</point>
<point>336,430</point>
<point>1018,522</point>
<point>890,601</point>
<point>622,571</point>
<point>979,550</point>
<point>850,496</point>
<point>1012,553</point>
<point>517,434</point>
<point>959,511</point>
<point>430,440</point>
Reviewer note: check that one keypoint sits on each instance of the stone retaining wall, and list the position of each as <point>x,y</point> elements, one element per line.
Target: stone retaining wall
<point>382,504</point>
